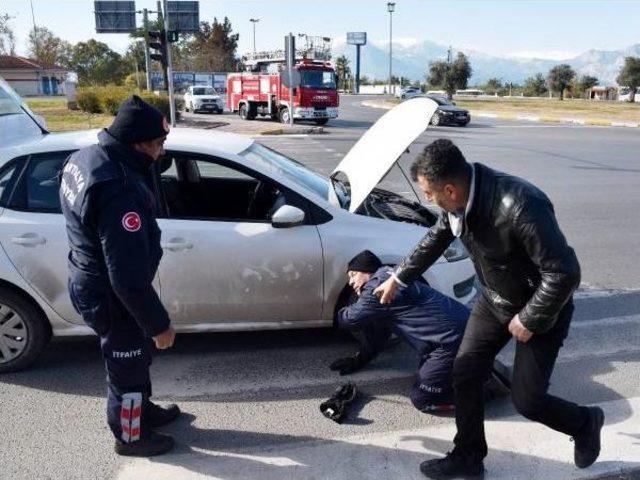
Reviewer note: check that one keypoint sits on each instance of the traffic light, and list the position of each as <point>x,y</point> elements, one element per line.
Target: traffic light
<point>158,42</point>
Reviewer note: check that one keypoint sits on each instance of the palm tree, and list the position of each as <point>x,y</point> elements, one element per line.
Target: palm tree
<point>343,71</point>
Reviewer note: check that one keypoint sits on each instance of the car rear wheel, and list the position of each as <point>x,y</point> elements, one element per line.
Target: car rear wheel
<point>436,120</point>
<point>24,332</point>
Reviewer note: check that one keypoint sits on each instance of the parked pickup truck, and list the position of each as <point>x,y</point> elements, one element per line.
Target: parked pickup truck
<point>203,99</point>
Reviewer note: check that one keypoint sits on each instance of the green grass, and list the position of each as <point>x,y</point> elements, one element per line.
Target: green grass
<point>60,119</point>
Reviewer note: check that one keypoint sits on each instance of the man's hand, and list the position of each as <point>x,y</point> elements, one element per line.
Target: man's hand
<point>386,291</point>
<point>519,331</point>
<point>165,339</point>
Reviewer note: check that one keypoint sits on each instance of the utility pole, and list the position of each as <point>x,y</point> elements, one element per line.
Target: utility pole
<point>172,107</point>
<point>254,21</point>
<point>147,59</point>
<point>391,6</point>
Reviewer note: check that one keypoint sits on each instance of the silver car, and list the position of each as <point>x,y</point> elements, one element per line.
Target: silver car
<point>252,239</point>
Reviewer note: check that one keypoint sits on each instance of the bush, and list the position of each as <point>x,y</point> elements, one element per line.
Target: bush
<point>135,81</point>
<point>108,99</point>
<point>161,102</point>
<point>88,101</point>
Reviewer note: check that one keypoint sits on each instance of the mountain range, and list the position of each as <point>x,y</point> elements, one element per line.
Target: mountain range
<point>411,60</point>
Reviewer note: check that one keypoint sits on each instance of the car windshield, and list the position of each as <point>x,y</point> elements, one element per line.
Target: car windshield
<point>204,91</point>
<point>317,79</point>
<point>293,170</point>
<point>441,100</point>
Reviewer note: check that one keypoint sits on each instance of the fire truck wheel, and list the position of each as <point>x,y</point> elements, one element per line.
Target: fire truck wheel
<point>243,111</point>
<point>284,115</point>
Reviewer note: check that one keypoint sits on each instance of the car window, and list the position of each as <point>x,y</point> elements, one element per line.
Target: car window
<point>37,189</point>
<point>8,175</point>
<point>199,189</point>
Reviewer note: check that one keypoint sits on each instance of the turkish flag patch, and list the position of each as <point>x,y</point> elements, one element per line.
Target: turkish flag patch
<point>131,222</point>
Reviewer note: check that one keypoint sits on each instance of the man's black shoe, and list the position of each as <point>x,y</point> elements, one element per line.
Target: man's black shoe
<point>150,446</point>
<point>350,364</point>
<point>155,416</point>
<point>587,442</point>
<point>453,466</point>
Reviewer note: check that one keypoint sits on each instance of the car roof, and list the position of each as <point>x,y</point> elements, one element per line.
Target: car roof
<point>181,139</point>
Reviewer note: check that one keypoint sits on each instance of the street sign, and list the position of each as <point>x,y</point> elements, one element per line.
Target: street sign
<point>172,36</point>
<point>184,16</point>
<point>357,38</point>
<point>115,16</point>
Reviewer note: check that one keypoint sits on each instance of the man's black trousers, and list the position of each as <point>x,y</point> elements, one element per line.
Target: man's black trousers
<point>486,334</point>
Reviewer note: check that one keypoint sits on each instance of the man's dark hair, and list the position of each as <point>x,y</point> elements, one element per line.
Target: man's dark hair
<point>441,161</point>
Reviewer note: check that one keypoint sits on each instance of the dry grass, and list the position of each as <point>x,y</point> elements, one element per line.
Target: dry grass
<point>60,119</point>
<point>552,107</point>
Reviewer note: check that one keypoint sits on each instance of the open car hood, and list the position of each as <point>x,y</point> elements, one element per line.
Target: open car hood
<point>371,158</point>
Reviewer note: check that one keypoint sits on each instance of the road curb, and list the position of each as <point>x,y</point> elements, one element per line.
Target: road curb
<point>292,131</point>
<point>592,122</point>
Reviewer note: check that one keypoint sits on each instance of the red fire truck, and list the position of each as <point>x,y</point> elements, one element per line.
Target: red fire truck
<point>264,89</point>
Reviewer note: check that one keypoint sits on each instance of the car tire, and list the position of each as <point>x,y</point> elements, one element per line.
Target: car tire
<point>283,115</point>
<point>24,331</point>
<point>436,120</point>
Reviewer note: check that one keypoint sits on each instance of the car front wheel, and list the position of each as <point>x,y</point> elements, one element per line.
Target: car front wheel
<point>24,332</point>
<point>436,120</point>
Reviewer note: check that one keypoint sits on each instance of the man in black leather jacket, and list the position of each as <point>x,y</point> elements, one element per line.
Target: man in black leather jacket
<point>529,274</point>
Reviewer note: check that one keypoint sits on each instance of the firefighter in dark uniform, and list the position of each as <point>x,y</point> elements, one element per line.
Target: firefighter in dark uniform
<point>109,208</point>
<point>432,323</point>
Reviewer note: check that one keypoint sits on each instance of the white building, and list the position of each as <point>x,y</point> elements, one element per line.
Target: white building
<point>29,78</point>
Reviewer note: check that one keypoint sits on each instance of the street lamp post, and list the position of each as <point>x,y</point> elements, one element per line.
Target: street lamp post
<point>254,21</point>
<point>391,6</point>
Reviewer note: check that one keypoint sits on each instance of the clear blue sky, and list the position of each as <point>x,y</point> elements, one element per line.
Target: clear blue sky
<point>545,28</point>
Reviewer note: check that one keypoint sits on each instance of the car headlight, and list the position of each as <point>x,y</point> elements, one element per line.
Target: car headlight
<point>456,251</point>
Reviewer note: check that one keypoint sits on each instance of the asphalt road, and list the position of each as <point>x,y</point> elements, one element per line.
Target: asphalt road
<point>251,399</point>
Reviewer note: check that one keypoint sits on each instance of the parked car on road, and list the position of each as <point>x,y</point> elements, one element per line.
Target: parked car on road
<point>408,92</point>
<point>252,240</point>
<point>203,99</point>
<point>448,113</point>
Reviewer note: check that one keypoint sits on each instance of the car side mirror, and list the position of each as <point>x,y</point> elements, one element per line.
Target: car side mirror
<point>287,216</point>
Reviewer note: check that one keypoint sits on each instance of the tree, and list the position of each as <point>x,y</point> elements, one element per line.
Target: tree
<point>450,76</point>
<point>493,86</point>
<point>630,76</point>
<point>7,38</point>
<point>535,86</point>
<point>212,49</point>
<point>364,80</point>
<point>560,78</point>
<point>583,83</point>
<point>343,71</point>
<point>47,48</point>
<point>97,64</point>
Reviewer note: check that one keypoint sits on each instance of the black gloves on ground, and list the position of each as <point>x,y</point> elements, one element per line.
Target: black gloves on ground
<point>349,364</point>
<point>336,407</point>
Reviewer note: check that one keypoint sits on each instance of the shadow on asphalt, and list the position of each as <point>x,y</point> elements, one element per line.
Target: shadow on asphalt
<point>232,454</point>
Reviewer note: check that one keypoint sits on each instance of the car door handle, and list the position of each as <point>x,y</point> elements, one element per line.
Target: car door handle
<point>29,240</point>
<point>176,245</point>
